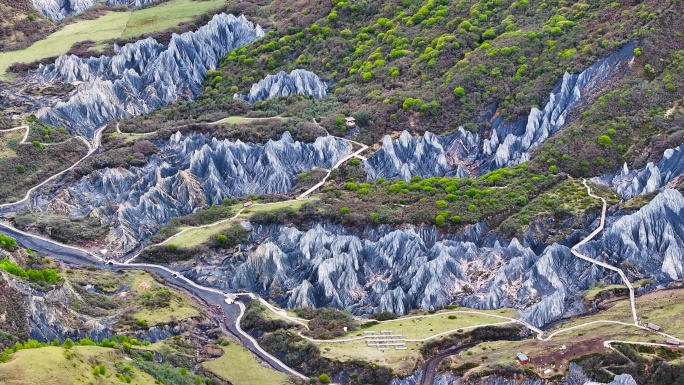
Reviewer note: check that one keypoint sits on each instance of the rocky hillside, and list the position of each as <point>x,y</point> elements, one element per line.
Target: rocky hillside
<point>297,82</point>
<point>59,9</point>
<point>418,268</point>
<point>141,77</point>
<point>188,173</point>
<point>575,377</point>
<point>631,183</point>
<point>509,143</point>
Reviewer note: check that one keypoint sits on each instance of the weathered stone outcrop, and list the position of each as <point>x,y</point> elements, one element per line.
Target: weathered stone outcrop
<point>188,173</point>
<point>415,268</point>
<point>509,143</point>
<point>59,9</point>
<point>575,377</point>
<point>297,82</point>
<point>142,76</point>
<point>654,176</point>
<point>426,156</point>
<point>399,270</point>
<point>649,242</point>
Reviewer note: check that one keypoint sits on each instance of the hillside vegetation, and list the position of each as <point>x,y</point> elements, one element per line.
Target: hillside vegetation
<point>436,64</point>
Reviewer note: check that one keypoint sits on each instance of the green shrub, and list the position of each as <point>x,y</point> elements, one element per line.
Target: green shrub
<point>7,243</point>
<point>605,141</point>
<point>459,92</point>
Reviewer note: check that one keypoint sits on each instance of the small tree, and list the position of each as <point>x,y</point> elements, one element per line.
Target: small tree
<point>605,141</point>
<point>459,92</point>
<point>68,343</point>
<point>324,379</point>
<point>221,238</point>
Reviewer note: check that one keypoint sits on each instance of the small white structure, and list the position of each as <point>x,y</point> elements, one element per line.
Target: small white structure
<point>247,204</point>
<point>350,122</point>
<point>652,326</point>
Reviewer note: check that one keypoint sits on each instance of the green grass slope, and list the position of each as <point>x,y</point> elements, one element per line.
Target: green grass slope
<point>437,64</point>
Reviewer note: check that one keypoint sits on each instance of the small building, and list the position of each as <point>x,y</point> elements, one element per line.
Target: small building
<point>350,122</point>
<point>522,358</point>
<point>247,204</point>
<point>672,341</point>
<point>652,326</point>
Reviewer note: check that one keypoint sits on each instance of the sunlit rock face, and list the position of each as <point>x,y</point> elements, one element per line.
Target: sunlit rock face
<point>654,176</point>
<point>575,377</point>
<point>398,270</point>
<point>426,156</point>
<point>188,173</point>
<point>297,82</point>
<point>509,143</point>
<point>650,240</point>
<point>142,76</point>
<point>59,9</point>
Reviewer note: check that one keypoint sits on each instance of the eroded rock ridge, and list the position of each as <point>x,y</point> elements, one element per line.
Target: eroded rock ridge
<point>142,76</point>
<point>297,82</point>
<point>509,143</point>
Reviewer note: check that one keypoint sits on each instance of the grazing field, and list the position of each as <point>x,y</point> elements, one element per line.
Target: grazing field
<point>165,16</point>
<point>199,235</point>
<point>112,25</point>
<point>428,325</point>
<point>109,26</point>
<point>402,361</point>
<point>663,307</point>
<point>242,119</point>
<point>239,367</point>
<point>52,365</point>
<point>159,305</point>
<point>8,140</point>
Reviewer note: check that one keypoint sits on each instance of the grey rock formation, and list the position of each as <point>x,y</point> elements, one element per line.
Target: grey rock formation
<point>399,270</point>
<point>426,156</point>
<point>650,240</point>
<point>51,315</point>
<point>415,268</point>
<point>575,377</point>
<point>509,143</point>
<point>187,174</point>
<point>142,76</point>
<point>414,379</point>
<point>297,82</point>
<point>654,176</point>
<point>59,9</point>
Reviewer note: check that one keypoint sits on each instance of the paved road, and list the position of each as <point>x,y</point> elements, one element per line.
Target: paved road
<point>233,311</point>
<point>430,366</point>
